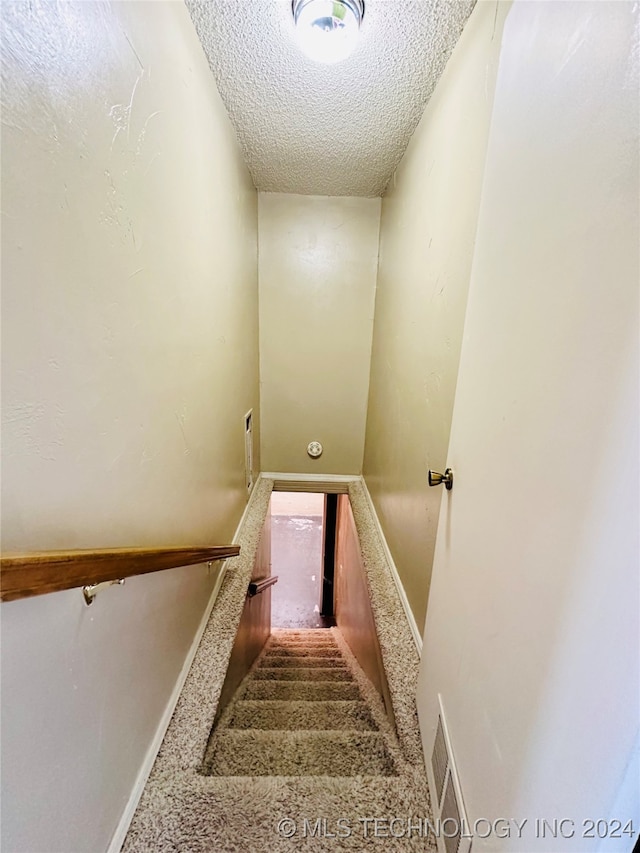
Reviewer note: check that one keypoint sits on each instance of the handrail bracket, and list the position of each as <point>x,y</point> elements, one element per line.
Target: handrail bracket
<point>91,590</point>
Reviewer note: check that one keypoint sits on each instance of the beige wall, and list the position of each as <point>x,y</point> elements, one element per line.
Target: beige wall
<point>532,630</point>
<point>318,260</point>
<point>427,233</point>
<point>129,320</point>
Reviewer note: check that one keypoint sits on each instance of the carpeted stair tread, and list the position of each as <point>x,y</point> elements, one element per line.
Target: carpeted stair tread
<point>295,715</point>
<point>309,691</point>
<point>302,652</point>
<point>306,634</point>
<point>310,662</point>
<point>298,642</point>
<point>302,646</point>
<point>302,674</point>
<point>235,752</point>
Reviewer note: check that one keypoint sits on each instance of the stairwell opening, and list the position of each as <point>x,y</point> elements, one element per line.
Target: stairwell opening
<point>308,577</point>
<point>306,693</point>
<point>302,556</point>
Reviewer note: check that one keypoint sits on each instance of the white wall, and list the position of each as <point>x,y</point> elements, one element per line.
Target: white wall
<point>318,261</point>
<point>129,320</point>
<point>428,226</point>
<point>532,633</point>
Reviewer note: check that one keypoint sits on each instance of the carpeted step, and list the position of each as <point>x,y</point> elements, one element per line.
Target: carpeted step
<point>305,634</point>
<point>282,640</point>
<point>292,716</point>
<point>301,690</point>
<point>300,673</point>
<point>234,752</point>
<point>300,645</point>
<point>296,652</point>
<point>301,661</point>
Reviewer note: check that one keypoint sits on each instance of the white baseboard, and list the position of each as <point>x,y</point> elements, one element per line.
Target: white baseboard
<point>417,636</point>
<point>119,835</point>
<point>284,481</point>
<point>311,478</point>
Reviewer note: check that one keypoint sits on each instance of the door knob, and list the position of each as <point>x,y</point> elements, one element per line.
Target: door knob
<point>436,479</point>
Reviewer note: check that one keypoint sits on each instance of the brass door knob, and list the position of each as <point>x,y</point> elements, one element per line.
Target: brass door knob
<point>446,479</point>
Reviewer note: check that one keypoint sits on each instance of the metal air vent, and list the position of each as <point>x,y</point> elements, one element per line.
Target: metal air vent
<point>448,803</point>
<point>439,760</point>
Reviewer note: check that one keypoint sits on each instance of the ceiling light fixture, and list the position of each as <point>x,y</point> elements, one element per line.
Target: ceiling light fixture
<point>327,30</point>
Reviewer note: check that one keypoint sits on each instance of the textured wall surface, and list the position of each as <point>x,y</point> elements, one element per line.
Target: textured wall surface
<point>427,232</point>
<point>318,261</point>
<point>320,129</point>
<point>532,629</point>
<point>129,357</point>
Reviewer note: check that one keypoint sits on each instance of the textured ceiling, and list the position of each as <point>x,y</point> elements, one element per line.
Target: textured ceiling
<point>326,129</point>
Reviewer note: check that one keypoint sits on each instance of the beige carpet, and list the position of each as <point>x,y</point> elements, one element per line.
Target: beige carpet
<point>335,735</point>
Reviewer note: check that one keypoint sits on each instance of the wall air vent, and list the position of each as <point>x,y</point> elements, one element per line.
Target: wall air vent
<point>448,804</point>
<point>450,818</point>
<point>439,761</point>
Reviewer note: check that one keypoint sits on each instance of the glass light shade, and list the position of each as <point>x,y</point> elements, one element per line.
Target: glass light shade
<point>327,30</point>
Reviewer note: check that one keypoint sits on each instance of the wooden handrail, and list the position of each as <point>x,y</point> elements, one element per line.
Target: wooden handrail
<point>260,584</point>
<point>24,575</point>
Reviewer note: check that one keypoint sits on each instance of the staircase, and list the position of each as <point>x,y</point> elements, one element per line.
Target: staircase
<point>299,712</point>
<point>303,758</point>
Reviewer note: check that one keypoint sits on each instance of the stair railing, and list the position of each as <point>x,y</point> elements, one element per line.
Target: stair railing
<point>260,584</point>
<point>25,575</point>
